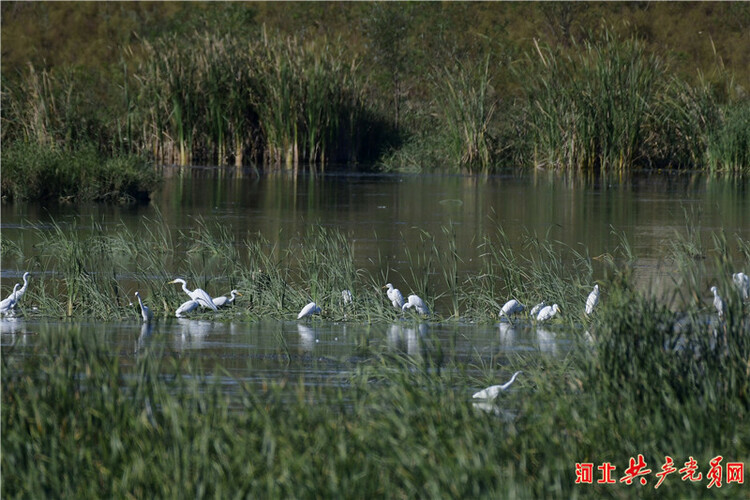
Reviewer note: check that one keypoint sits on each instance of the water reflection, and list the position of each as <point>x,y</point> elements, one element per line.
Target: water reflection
<point>307,338</point>
<point>547,341</point>
<point>409,339</point>
<point>507,334</point>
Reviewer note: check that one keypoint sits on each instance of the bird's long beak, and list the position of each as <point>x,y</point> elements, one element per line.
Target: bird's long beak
<point>173,281</point>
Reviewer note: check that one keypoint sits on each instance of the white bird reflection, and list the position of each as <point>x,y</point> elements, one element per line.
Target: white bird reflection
<point>306,337</point>
<point>191,333</point>
<point>146,329</point>
<point>547,341</point>
<point>407,339</point>
<point>12,325</point>
<point>507,334</point>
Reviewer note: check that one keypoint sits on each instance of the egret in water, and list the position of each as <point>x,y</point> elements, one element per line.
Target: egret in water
<point>394,294</point>
<point>186,307</point>
<point>145,311</point>
<point>592,300</point>
<point>22,291</point>
<point>535,310</point>
<point>511,307</point>
<point>198,294</point>
<point>742,281</point>
<point>9,303</point>
<point>417,303</point>
<point>309,310</point>
<point>224,300</point>
<point>346,296</point>
<point>491,392</point>
<point>719,304</point>
<point>548,312</point>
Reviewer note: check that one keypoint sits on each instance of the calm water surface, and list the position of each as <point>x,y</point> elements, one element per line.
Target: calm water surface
<point>382,214</point>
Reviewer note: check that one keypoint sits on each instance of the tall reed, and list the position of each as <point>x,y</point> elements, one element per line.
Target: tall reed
<point>588,110</point>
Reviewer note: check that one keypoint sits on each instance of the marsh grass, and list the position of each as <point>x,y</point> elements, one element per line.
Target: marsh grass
<point>37,171</point>
<point>77,423</point>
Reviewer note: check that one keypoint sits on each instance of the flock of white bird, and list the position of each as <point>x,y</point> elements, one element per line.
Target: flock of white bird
<point>540,312</point>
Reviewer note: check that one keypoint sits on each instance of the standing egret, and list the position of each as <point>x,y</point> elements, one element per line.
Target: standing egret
<point>592,300</point>
<point>511,307</point>
<point>346,296</point>
<point>742,281</point>
<point>417,303</point>
<point>224,300</point>
<point>198,294</point>
<point>394,294</point>
<point>145,311</point>
<point>535,310</point>
<point>719,304</point>
<point>548,312</point>
<point>7,304</point>
<point>309,310</point>
<point>186,307</point>
<point>22,291</point>
<point>491,392</point>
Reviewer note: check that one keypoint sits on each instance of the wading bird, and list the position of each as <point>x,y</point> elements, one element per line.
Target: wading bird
<point>394,295</point>
<point>9,303</point>
<point>346,296</point>
<point>145,311</point>
<point>186,307</point>
<point>511,307</point>
<point>548,312</point>
<point>742,281</point>
<point>198,294</point>
<point>418,304</point>
<point>22,291</point>
<point>309,310</point>
<point>491,392</point>
<point>592,300</point>
<point>224,300</point>
<point>719,304</point>
<point>535,310</point>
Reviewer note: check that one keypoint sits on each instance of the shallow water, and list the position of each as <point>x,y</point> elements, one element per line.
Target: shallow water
<point>309,352</point>
<point>382,214</point>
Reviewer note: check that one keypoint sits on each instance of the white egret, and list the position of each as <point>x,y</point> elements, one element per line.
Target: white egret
<point>394,294</point>
<point>224,300</point>
<point>491,392</point>
<point>535,310</point>
<point>22,291</point>
<point>309,310</point>
<point>418,304</point>
<point>592,300</point>
<point>346,296</point>
<point>742,281</point>
<point>145,311</point>
<point>548,312</point>
<point>511,307</point>
<point>198,294</point>
<point>186,307</point>
<point>9,303</point>
<point>719,304</point>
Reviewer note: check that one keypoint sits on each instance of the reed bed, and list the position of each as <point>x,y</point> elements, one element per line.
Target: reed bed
<point>262,99</point>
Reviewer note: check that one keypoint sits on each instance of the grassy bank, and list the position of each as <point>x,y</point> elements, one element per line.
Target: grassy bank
<point>39,172</point>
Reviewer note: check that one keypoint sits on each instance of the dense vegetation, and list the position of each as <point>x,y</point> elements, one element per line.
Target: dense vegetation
<point>470,86</point>
<point>77,421</point>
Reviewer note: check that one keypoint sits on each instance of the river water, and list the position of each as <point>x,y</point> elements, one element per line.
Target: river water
<point>382,214</point>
